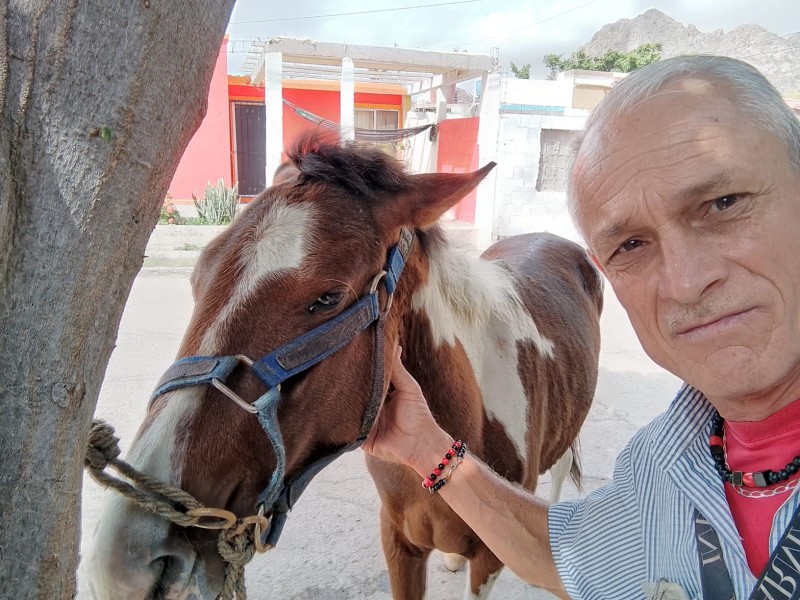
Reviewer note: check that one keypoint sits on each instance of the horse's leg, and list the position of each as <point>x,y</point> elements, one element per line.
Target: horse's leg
<point>484,569</point>
<point>558,474</point>
<point>406,562</point>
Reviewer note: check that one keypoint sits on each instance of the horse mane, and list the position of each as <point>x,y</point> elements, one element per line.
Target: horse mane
<point>465,293</point>
<point>360,169</point>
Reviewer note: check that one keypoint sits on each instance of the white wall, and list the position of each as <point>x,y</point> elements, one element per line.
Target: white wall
<point>536,91</point>
<point>508,203</point>
<point>519,207</point>
<point>419,147</point>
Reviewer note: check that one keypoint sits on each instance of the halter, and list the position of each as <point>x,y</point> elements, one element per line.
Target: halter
<point>290,359</point>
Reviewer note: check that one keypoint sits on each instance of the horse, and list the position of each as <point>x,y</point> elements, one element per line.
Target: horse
<point>323,275</point>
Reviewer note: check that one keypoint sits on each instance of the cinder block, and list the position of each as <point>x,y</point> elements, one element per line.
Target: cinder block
<point>521,197</point>
<point>525,173</point>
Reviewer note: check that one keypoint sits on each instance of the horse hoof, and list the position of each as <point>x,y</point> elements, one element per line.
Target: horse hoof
<point>454,562</point>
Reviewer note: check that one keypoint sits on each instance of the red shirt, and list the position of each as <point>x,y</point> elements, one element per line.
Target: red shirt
<point>758,446</point>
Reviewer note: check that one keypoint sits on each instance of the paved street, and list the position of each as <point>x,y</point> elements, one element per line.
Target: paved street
<point>330,548</point>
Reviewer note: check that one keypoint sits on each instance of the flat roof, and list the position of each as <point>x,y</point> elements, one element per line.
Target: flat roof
<point>417,70</point>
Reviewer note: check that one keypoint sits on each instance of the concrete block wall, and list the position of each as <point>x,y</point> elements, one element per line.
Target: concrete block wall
<point>519,207</point>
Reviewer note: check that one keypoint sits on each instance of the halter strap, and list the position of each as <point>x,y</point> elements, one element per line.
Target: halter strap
<point>290,359</point>
<point>313,347</point>
<point>291,490</point>
<point>194,370</point>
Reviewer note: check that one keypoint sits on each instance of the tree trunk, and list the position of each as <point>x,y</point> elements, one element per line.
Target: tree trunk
<point>99,100</point>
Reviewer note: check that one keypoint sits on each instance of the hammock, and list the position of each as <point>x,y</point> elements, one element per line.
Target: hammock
<point>365,135</point>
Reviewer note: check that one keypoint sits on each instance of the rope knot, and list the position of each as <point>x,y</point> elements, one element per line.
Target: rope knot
<point>236,551</point>
<point>103,446</point>
<point>167,501</point>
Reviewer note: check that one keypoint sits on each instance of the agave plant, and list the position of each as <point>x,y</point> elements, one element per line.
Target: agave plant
<point>218,204</point>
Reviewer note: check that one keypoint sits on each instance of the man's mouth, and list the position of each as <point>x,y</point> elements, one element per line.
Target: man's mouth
<point>714,325</point>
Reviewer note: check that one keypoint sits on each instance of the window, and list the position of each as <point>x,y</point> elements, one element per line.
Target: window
<point>375,118</point>
<point>553,158</point>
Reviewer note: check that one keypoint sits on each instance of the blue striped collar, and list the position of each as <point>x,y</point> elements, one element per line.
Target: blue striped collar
<point>687,420</point>
<point>680,446</point>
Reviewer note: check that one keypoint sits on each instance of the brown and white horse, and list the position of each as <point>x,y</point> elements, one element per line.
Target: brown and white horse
<point>505,348</point>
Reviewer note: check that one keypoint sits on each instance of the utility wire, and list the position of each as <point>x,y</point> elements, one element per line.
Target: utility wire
<point>534,24</point>
<point>357,12</point>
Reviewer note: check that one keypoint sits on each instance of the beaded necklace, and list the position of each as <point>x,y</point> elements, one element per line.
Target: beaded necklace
<point>764,478</point>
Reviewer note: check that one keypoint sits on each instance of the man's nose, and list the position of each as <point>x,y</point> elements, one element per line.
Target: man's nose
<point>690,266</point>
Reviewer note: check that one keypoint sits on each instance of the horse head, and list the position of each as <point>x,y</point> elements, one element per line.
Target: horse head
<point>275,375</point>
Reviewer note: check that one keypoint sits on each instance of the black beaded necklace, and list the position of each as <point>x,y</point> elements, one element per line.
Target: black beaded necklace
<point>757,479</point>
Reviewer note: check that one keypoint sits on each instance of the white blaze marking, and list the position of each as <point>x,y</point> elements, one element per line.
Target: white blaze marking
<point>152,452</point>
<point>282,241</point>
<point>475,302</point>
<point>128,539</point>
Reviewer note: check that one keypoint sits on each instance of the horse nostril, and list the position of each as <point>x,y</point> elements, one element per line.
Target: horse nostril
<point>172,576</point>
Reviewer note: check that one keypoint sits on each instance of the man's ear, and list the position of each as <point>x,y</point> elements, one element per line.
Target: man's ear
<point>596,262</point>
<point>430,195</point>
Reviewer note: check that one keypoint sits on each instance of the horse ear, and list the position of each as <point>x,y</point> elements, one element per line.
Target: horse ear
<point>431,194</point>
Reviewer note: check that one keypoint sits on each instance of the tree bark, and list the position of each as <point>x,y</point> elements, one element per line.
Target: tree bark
<point>99,99</point>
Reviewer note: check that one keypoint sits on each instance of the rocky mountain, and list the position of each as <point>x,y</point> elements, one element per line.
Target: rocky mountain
<point>775,56</point>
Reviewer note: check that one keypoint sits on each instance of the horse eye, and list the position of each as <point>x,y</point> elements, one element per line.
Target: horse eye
<point>326,301</point>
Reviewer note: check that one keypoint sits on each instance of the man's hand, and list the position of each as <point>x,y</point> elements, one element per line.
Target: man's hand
<point>510,520</point>
<point>405,431</point>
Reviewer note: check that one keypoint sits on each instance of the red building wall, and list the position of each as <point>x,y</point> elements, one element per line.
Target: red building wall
<point>208,156</point>
<point>323,103</point>
<point>458,153</point>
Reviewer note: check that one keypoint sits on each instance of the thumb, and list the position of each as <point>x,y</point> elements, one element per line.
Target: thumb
<point>402,379</point>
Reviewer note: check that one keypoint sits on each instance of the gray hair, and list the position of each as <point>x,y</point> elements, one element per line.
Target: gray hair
<point>756,99</point>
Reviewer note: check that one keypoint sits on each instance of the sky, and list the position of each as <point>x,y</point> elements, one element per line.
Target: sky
<point>523,31</point>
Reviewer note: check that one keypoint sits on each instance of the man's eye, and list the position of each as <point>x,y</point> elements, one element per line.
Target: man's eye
<point>630,245</point>
<point>724,202</point>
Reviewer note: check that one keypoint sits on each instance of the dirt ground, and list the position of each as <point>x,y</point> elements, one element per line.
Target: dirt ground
<point>330,548</point>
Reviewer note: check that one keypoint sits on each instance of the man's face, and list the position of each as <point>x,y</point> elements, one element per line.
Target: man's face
<point>694,215</point>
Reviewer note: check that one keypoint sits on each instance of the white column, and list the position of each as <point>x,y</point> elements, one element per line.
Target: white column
<point>347,95</point>
<point>273,96</point>
<point>488,133</point>
<point>441,115</point>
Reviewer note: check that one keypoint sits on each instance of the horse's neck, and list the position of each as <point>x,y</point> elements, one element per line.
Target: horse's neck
<point>465,298</point>
<point>458,293</point>
<point>462,327</point>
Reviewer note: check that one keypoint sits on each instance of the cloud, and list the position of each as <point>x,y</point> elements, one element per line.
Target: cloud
<point>522,30</point>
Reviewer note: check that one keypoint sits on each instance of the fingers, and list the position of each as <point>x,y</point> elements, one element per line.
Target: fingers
<point>402,379</point>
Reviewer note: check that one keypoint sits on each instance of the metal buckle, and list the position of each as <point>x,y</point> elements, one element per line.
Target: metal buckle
<point>260,526</point>
<point>374,288</point>
<point>233,395</point>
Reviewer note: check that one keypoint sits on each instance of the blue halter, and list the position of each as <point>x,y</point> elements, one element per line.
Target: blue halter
<point>290,359</point>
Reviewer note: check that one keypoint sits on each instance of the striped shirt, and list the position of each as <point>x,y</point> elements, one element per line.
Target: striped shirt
<point>640,527</point>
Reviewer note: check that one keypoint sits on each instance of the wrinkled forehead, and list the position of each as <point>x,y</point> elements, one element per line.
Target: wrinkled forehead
<point>657,144</point>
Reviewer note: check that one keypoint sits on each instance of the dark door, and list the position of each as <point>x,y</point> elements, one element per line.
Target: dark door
<point>251,148</point>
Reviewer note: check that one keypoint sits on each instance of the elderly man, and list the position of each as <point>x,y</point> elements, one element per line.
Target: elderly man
<point>686,187</point>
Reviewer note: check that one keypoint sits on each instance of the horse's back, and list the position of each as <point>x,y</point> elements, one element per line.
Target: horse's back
<point>544,263</point>
<point>563,292</point>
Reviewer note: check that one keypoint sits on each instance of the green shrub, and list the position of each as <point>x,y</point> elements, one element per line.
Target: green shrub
<point>218,204</point>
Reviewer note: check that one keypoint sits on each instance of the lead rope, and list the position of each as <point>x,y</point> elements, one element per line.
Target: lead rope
<point>154,496</point>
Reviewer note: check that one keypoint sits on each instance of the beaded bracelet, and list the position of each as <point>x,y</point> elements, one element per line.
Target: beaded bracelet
<point>453,458</point>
